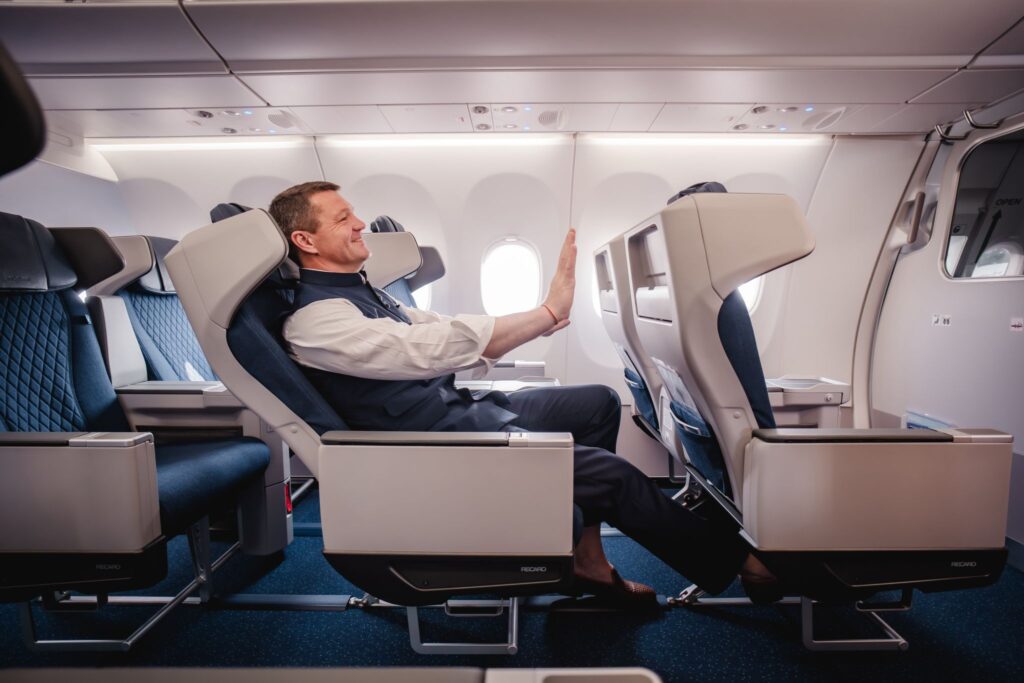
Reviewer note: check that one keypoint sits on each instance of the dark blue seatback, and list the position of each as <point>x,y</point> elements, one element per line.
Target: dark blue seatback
<point>165,336</point>
<point>737,335</point>
<point>399,288</point>
<point>52,376</point>
<point>254,338</point>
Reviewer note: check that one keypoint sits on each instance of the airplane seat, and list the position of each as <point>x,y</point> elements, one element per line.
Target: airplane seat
<point>431,269</point>
<point>433,536</point>
<point>847,512</point>
<point>94,502</point>
<point>167,341</point>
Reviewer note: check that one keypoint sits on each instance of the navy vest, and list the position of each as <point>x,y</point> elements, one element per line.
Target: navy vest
<point>404,405</point>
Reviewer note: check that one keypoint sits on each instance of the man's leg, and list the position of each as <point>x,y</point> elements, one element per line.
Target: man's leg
<point>590,411</point>
<point>703,545</point>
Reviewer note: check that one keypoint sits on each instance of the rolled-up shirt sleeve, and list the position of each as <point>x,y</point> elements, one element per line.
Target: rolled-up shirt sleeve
<point>334,335</point>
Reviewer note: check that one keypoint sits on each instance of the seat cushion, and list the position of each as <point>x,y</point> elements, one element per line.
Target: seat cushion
<point>193,478</point>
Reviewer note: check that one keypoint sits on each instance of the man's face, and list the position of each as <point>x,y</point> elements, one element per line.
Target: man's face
<point>338,238</point>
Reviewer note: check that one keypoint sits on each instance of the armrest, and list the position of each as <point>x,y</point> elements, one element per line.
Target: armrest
<point>96,492</point>
<point>843,435</point>
<point>28,439</point>
<point>876,489</point>
<point>153,395</point>
<point>457,439</point>
<point>512,495</point>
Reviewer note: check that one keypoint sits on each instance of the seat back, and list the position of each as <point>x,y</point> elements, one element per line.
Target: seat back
<point>616,305</point>
<point>168,343</point>
<point>236,306</point>
<point>52,377</point>
<point>430,269</point>
<point>685,266</point>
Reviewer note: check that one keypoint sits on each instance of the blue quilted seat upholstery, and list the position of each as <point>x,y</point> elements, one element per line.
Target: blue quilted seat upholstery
<point>52,378</point>
<point>165,336</point>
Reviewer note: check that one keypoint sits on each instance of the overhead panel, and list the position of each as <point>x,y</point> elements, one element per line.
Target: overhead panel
<point>519,117</point>
<point>305,36</point>
<point>974,85</point>
<point>596,86</point>
<point>698,118</point>
<point>154,92</point>
<point>344,120</point>
<point>247,121</point>
<point>151,37</point>
<point>443,118</point>
<point>634,117</point>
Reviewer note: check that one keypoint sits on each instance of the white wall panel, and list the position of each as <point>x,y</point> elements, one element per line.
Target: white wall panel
<point>58,197</point>
<point>621,182</point>
<point>850,213</point>
<point>169,189</point>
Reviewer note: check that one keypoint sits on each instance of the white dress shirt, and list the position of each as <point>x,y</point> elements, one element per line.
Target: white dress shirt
<point>334,335</point>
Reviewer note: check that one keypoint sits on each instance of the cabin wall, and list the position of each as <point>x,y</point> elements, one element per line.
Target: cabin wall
<point>969,373</point>
<point>807,320</point>
<point>57,197</point>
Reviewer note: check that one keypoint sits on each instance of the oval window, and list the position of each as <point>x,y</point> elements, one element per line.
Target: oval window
<point>510,277</point>
<point>751,292</point>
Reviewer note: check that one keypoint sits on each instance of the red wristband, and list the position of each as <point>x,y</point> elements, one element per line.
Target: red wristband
<point>553,316</point>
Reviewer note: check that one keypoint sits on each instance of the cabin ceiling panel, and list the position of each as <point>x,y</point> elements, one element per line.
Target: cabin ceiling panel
<point>288,35</point>
<point>597,86</point>
<point>920,117</point>
<point>153,92</point>
<point>1007,51</point>
<point>86,39</point>
<point>130,123</point>
<point>974,85</point>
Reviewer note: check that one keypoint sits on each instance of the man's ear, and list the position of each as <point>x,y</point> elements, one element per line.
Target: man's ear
<point>303,241</point>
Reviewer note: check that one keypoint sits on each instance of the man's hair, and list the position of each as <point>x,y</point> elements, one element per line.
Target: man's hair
<point>293,211</point>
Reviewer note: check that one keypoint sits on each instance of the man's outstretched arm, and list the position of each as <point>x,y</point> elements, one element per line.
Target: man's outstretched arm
<point>516,329</point>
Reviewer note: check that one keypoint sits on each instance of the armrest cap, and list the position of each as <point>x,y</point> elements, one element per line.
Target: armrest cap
<point>850,435</point>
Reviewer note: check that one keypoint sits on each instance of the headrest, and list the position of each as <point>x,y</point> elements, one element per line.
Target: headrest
<point>31,260</point>
<point>227,210</point>
<point>430,270</point>
<point>157,280</point>
<point>393,255</point>
<point>386,224</point>
<point>91,253</point>
<point>743,235</point>
<point>709,186</point>
<point>22,128</point>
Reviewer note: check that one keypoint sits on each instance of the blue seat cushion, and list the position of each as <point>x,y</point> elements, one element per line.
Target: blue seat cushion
<point>193,478</point>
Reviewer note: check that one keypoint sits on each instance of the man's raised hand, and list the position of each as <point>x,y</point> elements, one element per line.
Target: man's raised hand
<point>563,284</point>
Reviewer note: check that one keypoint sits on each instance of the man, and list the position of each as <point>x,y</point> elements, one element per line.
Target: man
<point>385,366</point>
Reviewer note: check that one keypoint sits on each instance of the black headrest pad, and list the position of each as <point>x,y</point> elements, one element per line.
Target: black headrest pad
<point>22,129</point>
<point>157,280</point>
<point>386,224</point>
<point>91,253</point>
<point>698,187</point>
<point>227,210</point>
<point>30,260</point>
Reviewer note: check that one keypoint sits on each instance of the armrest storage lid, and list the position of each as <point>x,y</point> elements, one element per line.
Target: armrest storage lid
<point>842,435</point>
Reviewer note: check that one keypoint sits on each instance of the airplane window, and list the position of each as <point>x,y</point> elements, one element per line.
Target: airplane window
<point>510,277</point>
<point>751,292</point>
<point>422,296</point>
<point>986,237</point>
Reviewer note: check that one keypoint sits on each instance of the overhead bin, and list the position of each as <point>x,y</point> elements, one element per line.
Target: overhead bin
<point>105,38</point>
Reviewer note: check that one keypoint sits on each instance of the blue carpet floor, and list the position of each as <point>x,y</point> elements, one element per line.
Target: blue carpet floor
<point>960,636</point>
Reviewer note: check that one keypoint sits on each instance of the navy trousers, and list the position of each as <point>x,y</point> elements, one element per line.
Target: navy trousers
<point>703,545</point>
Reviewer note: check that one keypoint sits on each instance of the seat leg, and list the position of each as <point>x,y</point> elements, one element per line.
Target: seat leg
<point>202,566</point>
<point>454,608</point>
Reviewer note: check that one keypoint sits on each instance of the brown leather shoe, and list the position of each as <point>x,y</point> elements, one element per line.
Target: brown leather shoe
<point>627,594</point>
